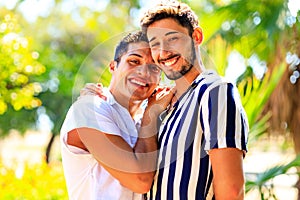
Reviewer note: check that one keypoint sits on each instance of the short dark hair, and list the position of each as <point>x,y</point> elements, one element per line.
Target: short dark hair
<point>122,47</point>
<point>178,11</point>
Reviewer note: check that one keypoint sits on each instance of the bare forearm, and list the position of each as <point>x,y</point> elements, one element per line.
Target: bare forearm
<point>146,146</point>
<point>119,159</point>
<point>136,182</point>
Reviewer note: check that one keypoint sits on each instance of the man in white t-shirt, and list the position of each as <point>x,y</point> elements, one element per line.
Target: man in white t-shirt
<point>108,149</point>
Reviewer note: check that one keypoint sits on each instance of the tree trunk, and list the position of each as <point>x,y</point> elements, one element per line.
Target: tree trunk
<point>48,149</point>
<point>295,126</point>
<point>284,102</point>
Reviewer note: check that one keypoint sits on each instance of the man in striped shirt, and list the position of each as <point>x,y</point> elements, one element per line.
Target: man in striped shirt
<point>203,136</point>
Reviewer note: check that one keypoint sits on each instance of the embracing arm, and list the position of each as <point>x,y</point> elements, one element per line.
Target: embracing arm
<point>133,167</point>
<point>133,170</point>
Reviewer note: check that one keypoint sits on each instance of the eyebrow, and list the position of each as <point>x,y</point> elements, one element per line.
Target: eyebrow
<point>134,54</point>
<point>168,33</point>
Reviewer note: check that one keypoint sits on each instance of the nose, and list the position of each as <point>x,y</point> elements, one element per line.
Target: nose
<point>143,70</point>
<point>164,50</point>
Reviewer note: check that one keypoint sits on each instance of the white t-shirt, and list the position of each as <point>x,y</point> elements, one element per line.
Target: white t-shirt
<point>85,177</point>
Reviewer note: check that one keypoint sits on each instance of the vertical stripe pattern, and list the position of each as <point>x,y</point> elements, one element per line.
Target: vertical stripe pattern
<point>209,115</point>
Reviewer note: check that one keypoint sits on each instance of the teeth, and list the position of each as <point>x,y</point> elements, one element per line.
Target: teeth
<point>170,62</point>
<point>138,82</point>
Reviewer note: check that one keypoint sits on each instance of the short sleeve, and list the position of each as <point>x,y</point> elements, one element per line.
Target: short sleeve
<point>91,112</point>
<point>224,119</point>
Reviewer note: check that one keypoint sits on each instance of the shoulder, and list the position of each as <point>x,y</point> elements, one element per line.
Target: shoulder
<point>90,103</point>
<point>209,81</point>
<point>87,110</point>
<point>213,79</point>
<point>87,100</point>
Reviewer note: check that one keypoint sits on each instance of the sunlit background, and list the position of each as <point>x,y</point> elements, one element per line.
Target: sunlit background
<point>51,48</point>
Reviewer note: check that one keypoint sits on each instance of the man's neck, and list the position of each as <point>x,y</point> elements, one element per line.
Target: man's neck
<point>133,106</point>
<point>183,83</point>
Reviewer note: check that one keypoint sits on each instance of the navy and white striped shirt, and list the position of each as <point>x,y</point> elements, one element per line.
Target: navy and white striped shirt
<point>209,115</point>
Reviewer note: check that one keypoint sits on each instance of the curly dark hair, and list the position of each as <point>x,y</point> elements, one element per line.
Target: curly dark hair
<point>179,11</point>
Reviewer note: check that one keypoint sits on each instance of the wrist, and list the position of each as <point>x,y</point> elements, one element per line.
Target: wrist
<point>149,124</point>
<point>154,110</point>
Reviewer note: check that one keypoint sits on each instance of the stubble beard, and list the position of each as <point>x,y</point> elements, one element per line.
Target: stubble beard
<point>174,75</point>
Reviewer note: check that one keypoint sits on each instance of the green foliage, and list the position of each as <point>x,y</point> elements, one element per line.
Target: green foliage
<point>70,60</point>
<point>47,62</point>
<point>252,28</point>
<point>17,120</point>
<point>261,181</point>
<point>254,94</point>
<point>18,66</point>
<point>33,182</point>
<point>248,26</point>
<point>64,44</point>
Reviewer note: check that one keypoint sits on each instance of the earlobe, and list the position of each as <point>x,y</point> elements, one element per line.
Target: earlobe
<point>112,66</point>
<point>198,35</point>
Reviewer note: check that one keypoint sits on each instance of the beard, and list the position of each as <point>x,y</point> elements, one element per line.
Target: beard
<point>174,75</point>
<point>186,67</point>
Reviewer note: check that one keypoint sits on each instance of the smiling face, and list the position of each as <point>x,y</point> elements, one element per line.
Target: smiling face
<point>172,48</point>
<point>135,76</point>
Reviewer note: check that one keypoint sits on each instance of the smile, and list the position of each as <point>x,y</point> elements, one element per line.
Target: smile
<point>139,82</point>
<point>170,61</point>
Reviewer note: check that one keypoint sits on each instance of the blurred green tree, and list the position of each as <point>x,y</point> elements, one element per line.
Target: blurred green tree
<point>75,42</point>
<point>19,66</point>
<point>74,47</point>
<point>76,50</point>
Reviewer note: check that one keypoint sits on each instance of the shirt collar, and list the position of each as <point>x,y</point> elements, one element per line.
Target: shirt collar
<point>110,98</point>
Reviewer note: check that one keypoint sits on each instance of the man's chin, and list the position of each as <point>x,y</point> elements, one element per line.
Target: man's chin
<point>174,76</point>
<point>139,95</point>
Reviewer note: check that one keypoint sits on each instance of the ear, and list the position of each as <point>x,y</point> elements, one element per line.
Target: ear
<point>112,66</point>
<point>198,35</point>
